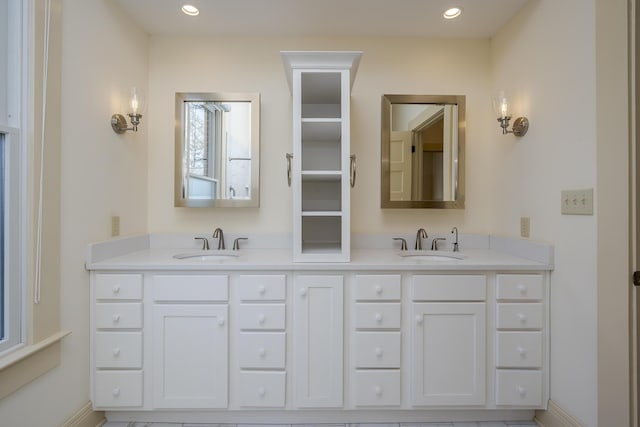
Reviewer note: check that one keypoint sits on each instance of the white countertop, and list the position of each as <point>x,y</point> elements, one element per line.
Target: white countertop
<point>138,253</point>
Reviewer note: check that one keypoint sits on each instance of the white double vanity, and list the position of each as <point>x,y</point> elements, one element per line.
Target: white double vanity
<point>259,338</point>
<point>321,325</point>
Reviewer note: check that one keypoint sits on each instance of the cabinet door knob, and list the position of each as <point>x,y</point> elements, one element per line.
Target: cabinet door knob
<point>116,318</point>
<point>116,352</point>
<point>378,317</point>
<point>303,292</point>
<point>262,289</point>
<point>261,391</point>
<point>116,289</point>
<point>522,288</point>
<point>221,321</point>
<point>522,317</point>
<point>378,390</point>
<point>378,352</point>
<point>262,318</point>
<point>115,392</point>
<point>379,290</point>
<point>521,351</point>
<point>262,352</point>
<point>419,320</point>
<point>522,391</point>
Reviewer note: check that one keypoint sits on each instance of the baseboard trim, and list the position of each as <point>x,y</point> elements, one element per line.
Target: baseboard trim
<point>555,416</point>
<point>86,417</point>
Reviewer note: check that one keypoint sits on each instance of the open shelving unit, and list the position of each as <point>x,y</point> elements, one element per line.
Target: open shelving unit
<point>320,83</point>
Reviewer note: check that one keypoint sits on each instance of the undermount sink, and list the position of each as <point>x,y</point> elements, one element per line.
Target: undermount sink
<point>433,255</point>
<point>208,254</point>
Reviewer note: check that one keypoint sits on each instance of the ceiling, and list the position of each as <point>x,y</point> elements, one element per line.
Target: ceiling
<point>387,18</point>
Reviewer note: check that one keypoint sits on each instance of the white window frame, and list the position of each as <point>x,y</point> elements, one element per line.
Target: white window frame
<point>13,129</point>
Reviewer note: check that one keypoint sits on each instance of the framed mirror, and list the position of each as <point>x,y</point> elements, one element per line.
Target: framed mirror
<point>423,140</point>
<point>217,150</point>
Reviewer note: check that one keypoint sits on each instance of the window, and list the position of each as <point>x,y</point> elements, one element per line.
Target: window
<point>12,174</point>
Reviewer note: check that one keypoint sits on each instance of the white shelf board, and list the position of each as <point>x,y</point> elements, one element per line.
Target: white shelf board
<point>321,175</point>
<point>329,214</point>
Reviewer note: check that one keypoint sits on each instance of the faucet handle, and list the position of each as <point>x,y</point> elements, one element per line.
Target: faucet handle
<point>205,242</point>
<point>403,243</point>
<point>434,243</point>
<point>236,243</point>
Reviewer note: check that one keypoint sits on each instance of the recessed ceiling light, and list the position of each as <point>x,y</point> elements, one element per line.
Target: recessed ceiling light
<point>452,13</point>
<point>190,10</point>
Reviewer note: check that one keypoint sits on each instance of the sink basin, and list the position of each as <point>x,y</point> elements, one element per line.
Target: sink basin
<point>212,254</point>
<point>432,255</point>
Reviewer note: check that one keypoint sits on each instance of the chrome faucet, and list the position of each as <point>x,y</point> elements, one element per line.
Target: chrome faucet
<point>218,234</point>
<point>422,234</point>
<point>455,243</point>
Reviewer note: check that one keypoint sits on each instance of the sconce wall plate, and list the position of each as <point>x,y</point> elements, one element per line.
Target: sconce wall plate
<point>520,126</point>
<point>119,123</point>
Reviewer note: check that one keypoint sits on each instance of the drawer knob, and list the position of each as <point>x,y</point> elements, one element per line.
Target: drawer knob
<point>116,352</point>
<point>419,320</point>
<point>262,318</point>
<point>262,352</point>
<point>522,288</point>
<point>522,317</point>
<point>261,391</point>
<point>521,391</point>
<point>379,290</point>
<point>262,289</point>
<point>303,292</point>
<point>522,351</point>
<point>116,289</point>
<point>221,321</point>
<point>378,390</point>
<point>116,318</point>
<point>378,317</point>
<point>378,352</point>
<point>115,392</point>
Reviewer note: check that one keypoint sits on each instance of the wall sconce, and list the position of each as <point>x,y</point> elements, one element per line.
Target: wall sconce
<point>501,108</point>
<point>136,107</point>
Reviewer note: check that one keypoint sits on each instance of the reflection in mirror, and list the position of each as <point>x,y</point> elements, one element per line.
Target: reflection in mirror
<point>217,150</point>
<point>423,151</point>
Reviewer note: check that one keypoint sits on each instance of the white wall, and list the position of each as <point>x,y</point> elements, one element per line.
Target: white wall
<point>546,56</point>
<point>388,66</point>
<point>102,174</point>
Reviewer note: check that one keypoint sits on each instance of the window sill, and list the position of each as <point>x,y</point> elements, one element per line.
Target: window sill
<point>27,351</point>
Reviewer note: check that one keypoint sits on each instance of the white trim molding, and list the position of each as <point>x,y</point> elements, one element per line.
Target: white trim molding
<point>86,417</point>
<point>555,416</point>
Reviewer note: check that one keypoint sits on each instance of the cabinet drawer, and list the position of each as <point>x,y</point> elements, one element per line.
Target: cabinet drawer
<point>261,389</point>
<point>117,315</point>
<point>377,388</point>
<point>118,349</point>
<point>377,349</point>
<point>265,350</point>
<point>377,315</point>
<point>377,287</point>
<point>190,288</point>
<point>519,349</point>
<point>117,389</point>
<point>118,286</point>
<point>261,287</point>
<point>519,316</point>
<point>449,288</point>
<point>519,287</point>
<point>261,316</point>
<point>519,388</point>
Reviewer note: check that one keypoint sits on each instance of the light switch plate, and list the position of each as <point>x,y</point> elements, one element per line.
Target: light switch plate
<point>577,202</point>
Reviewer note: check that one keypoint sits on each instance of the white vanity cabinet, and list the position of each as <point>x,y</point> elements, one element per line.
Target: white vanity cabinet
<point>520,339</point>
<point>261,340</point>
<point>116,341</point>
<point>322,166</point>
<point>190,341</point>
<point>318,341</point>
<point>448,340</point>
<point>376,340</point>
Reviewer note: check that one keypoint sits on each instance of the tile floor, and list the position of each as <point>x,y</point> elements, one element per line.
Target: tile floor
<point>465,424</point>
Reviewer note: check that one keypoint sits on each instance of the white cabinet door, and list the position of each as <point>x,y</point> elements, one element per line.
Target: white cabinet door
<point>190,360</point>
<point>448,346</point>
<point>318,335</point>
